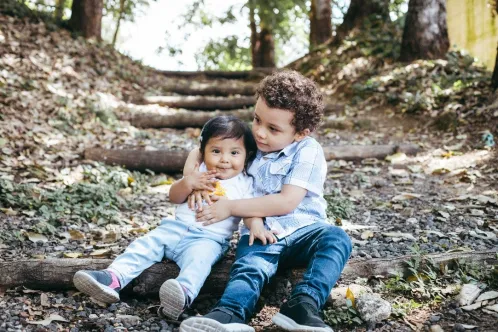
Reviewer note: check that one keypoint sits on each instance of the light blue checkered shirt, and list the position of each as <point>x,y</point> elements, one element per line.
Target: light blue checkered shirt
<point>300,164</point>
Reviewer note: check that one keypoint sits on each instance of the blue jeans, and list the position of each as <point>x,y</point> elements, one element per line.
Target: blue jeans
<point>323,248</point>
<point>194,249</point>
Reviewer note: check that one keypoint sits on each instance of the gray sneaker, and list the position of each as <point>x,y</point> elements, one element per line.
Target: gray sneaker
<point>97,284</point>
<point>217,320</point>
<point>173,299</point>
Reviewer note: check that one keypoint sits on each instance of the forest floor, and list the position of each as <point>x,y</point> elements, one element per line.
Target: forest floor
<point>59,96</point>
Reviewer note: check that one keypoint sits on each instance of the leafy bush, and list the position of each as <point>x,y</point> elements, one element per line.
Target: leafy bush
<point>96,199</point>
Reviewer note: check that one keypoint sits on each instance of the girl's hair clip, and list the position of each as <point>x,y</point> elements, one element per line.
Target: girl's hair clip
<point>200,138</point>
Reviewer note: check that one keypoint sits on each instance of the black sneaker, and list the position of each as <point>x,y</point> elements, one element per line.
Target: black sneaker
<point>218,320</point>
<point>300,314</point>
<point>97,284</point>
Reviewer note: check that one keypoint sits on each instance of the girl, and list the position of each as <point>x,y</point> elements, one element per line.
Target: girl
<point>226,146</point>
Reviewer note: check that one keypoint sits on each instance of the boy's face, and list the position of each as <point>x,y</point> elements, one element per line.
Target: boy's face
<point>272,128</point>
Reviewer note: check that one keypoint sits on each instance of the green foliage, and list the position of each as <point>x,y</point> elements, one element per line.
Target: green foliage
<point>338,206</point>
<point>95,199</point>
<point>225,54</point>
<point>346,315</point>
<point>131,8</point>
<point>427,85</point>
<point>34,10</point>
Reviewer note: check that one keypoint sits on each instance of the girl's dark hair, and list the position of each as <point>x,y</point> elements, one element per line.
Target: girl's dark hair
<point>229,127</point>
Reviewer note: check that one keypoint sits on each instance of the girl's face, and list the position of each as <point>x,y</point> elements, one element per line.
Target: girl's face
<point>227,156</point>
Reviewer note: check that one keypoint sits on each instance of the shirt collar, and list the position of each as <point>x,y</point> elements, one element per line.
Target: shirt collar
<point>287,151</point>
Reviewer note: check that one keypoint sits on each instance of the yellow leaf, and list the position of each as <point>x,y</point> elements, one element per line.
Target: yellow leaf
<point>101,252</point>
<point>76,235</point>
<point>440,171</point>
<point>130,180</point>
<point>350,296</point>
<point>219,190</point>
<point>72,254</point>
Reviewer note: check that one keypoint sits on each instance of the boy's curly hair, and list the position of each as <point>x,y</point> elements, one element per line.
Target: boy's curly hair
<point>291,91</point>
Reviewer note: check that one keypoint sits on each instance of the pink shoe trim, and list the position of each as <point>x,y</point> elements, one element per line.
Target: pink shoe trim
<point>115,281</point>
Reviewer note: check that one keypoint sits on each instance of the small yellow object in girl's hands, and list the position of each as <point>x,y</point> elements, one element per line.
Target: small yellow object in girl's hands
<point>219,190</point>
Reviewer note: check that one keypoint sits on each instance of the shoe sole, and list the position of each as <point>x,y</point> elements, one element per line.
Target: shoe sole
<point>200,324</point>
<point>172,299</point>
<point>91,287</point>
<point>289,324</point>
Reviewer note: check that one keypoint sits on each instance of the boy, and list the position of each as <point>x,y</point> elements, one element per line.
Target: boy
<point>289,172</point>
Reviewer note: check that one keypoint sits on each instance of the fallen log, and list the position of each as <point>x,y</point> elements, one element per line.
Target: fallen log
<point>210,89</point>
<point>161,161</point>
<point>200,103</point>
<point>243,74</point>
<point>172,161</point>
<point>360,152</point>
<point>55,274</point>
<point>181,119</point>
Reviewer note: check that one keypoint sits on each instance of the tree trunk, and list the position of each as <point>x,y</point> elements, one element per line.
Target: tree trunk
<point>255,73</point>
<point>360,152</point>
<point>425,35</point>
<point>216,88</point>
<point>164,161</point>
<point>320,22</point>
<point>494,78</point>
<point>358,12</point>
<point>55,274</point>
<point>86,17</point>
<point>179,119</point>
<point>255,43</point>
<point>200,103</point>
<point>59,9</point>
<point>118,23</point>
<point>172,161</point>
<point>267,49</point>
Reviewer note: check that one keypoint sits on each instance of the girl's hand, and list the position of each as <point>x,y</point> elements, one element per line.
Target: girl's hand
<point>202,180</point>
<point>259,232</point>
<point>197,196</point>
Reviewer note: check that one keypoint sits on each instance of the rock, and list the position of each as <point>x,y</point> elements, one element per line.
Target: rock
<point>436,328</point>
<point>487,296</point>
<point>468,294</point>
<point>493,307</point>
<point>337,296</point>
<point>474,306</point>
<point>93,316</point>
<point>435,318</point>
<point>372,308</point>
<point>129,319</point>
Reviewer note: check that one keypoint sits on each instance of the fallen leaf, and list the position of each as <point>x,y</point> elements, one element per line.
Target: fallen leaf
<point>44,300</point>
<point>350,296</point>
<point>400,235</point>
<point>35,237</point>
<point>405,196</point>
<point>396,158</point>
<point>48,320</point>
<point>367,235</point>
<point>101,252</point>
<point>72,254</point>
<point>9,211</point>
<point>76,234</point>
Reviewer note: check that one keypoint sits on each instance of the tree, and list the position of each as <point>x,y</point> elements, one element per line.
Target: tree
<point>118,23</point>
<point>320,22</point>
<point>425,35</point>
<point>59,9</point>
<point>272,23</point>
<point>362,11</point>
<point>86,18</point>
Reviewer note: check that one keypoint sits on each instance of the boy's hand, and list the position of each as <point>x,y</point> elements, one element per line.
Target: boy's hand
<point>259,232</point>
<point>216,212</point>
